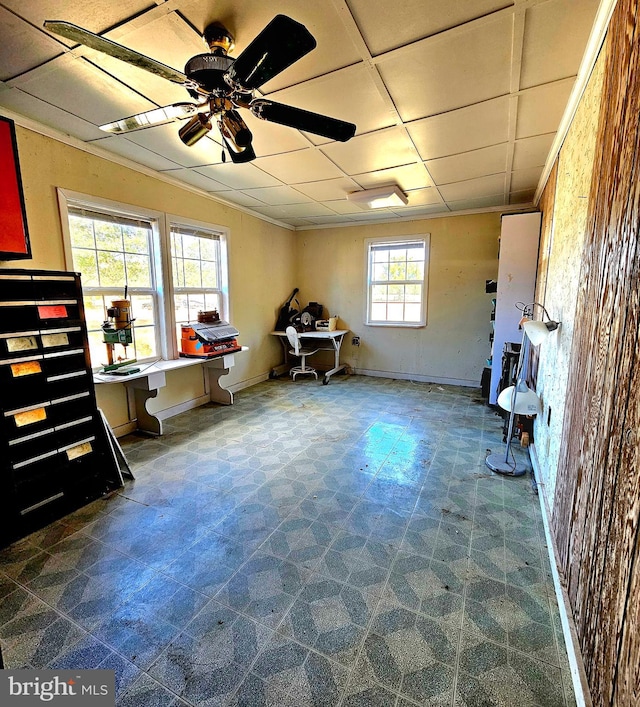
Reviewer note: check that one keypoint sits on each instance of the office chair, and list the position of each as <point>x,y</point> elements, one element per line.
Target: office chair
<point>301,353</point>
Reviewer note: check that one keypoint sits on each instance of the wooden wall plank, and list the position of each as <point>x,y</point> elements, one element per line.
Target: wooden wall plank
<point>597,507</point>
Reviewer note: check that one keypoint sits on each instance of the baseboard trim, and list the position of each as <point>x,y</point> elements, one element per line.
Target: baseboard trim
<point>129,427</point>
<point>576,664</point>
<point>126,429</point>
<point>415,377</point>
<point>182,407</point>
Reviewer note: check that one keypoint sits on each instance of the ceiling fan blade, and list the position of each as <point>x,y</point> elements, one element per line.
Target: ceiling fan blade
<point>302,119</point>
<point>157,116</point>
<point>246,154</point>
<point>281,43</point>
<point>106,46</point>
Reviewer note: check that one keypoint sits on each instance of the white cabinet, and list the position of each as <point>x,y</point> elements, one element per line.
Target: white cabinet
<point>517,265</point>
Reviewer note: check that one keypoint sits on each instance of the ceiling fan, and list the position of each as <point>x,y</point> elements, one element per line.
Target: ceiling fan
<point>220,84</point>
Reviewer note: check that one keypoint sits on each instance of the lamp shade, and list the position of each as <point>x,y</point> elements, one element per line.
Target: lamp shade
<point>526,400</point>
<point>538,331</point>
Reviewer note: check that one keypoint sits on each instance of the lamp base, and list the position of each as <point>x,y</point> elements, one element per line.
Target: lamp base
<point>497,463</point>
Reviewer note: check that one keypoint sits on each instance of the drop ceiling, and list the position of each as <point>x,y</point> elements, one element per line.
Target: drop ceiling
<point>457,102</point>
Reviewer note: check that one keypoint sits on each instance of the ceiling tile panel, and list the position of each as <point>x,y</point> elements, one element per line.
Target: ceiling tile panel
<point>483,202</point>
<point>278,195</point>
<point>164,140</point>
<point>362,103</point>
<point>552,98</point>
<point>239,176</point>
<point>412,20</point>
<point>22,46</point>
<point>476,62</point>
<point>423,197</point>
<point>16,100</point>
<point>554,40</point>
<point>300,166</point>
<point>295,210</point>
<point>372,152</point>
<point>242,199</point>
<point>532,151</point>
<point>410,176</point>
<point>477,163</point>
<point>123,146</point>
<point>462,130</point>
<point>327,189</point>
<point>522,197</point>
<point>190,176</point>
<point>94,15</point>
<point>342,206</point>
<point>525,178</point>
<point>474,188</point>
<point>75,85</point>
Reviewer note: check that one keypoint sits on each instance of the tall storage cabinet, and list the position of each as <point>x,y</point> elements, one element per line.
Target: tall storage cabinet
<point>56,452</point>
<point>517,267</point>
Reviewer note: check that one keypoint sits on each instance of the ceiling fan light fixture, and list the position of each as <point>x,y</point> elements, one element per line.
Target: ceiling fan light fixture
<point>195,129</point>
<point>379,198</point>
<point>235,130</point>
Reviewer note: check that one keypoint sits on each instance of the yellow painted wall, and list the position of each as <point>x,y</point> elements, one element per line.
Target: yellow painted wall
<point>454,345</point>
<point>261,255</point>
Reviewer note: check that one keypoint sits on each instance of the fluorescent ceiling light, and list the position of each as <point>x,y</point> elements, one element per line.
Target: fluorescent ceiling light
<point>379,198</point>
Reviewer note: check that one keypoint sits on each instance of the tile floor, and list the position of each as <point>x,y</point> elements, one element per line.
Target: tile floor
<point>311,545</point>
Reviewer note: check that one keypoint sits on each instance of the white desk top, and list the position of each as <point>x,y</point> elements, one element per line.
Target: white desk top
<point>162,366</point>
<point>316,334</point>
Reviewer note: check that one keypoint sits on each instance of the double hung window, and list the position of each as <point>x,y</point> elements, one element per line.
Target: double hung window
<point>196,266</point>
<point>397,281</point>
<point>170,268</point>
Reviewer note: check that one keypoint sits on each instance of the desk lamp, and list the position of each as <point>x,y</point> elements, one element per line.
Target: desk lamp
<point>519,399</point>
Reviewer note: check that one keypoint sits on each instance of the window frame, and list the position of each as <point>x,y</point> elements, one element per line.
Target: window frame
<point>170,314</point>
<point>162,275</point>
<point>369,245</point>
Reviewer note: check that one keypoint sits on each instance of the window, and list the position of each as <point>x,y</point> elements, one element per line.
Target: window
<point>196,264</point>
<point>397,281</point>
<point>115,256</point>
<point>170,268</point>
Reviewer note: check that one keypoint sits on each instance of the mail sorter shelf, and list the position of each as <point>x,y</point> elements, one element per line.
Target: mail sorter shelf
<point>56,454</point>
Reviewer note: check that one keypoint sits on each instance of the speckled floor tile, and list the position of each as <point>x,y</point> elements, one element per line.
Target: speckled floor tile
<point>309,546</point>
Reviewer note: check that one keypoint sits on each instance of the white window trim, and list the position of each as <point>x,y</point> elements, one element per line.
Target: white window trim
<point>168,297</point>
<point>161,256</point>
<point>426,237</point>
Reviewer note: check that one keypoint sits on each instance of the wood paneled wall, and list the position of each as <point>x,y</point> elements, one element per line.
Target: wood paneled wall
<point>597,506</point>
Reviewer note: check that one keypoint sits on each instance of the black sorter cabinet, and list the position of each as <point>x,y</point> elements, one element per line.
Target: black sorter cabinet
<point>56,454</point>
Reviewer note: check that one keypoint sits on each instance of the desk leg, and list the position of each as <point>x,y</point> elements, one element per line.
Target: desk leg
<point>216,368</point>
<point>337,366</point>
<point>283,367</point>
<point>146,421</point>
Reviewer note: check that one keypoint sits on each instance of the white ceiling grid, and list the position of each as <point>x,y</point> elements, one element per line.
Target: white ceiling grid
<point>456,102</point>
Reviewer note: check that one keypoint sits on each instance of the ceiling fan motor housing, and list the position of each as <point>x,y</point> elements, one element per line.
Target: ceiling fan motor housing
<point>208,70</point>
<point>218,38</point>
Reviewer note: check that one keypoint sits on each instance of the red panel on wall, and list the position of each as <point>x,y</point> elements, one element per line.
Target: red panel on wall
<point>14,238</point>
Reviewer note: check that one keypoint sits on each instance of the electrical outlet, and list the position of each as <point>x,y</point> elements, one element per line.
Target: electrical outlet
<point>355,341</point>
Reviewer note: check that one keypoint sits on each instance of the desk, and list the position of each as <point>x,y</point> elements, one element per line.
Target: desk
<point>331,339</point>
<point>143,386</point>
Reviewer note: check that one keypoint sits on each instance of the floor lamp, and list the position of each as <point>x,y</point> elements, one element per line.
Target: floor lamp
<point>519,399</point>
